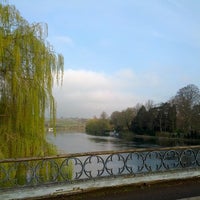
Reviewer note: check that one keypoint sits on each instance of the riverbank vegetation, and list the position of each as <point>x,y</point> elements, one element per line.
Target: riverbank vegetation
<point>99,126</point>
<point>67,125</point>
<point>178,117</point>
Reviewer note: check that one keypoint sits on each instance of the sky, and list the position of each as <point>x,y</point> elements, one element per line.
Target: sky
<point>119,52</point>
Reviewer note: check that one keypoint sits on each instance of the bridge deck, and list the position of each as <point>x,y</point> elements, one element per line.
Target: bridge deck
<point>67,190</point>
<point>170,190</point>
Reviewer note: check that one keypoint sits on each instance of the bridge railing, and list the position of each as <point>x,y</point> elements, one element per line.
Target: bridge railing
<point>71,168</point>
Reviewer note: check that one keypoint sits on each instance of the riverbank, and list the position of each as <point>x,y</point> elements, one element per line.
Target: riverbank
<point>164,138</point>
<point>132,136</point>
<point>158,140</point>
<point>68,124</point>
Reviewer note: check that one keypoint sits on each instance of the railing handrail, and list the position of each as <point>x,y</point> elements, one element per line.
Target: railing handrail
<point>69,168</point>
<point>93,153</point>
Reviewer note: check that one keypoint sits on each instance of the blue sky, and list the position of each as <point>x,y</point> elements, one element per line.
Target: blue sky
<point>119,53</point>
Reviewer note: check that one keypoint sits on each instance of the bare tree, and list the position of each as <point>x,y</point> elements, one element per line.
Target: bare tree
<point>185,100</point>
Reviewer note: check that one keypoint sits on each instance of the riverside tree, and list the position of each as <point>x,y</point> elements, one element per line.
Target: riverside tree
<point>187,101</point>
<point>98,126</point>
<point>28,67</point>
<point>122,121</point>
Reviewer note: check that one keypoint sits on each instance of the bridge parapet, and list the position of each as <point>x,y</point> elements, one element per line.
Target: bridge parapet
<point>71,168</point>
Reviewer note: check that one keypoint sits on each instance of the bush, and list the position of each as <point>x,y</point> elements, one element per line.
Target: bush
<point>97,127</point>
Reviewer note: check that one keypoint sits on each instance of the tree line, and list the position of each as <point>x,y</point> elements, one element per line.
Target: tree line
<point>178,117</point>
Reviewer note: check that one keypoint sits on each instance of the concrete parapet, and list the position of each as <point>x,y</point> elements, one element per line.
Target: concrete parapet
<point>51,191</point>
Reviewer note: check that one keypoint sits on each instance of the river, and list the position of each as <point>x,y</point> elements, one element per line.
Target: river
<point>81,142</point>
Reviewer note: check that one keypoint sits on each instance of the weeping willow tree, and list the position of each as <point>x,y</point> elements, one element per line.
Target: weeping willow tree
<point>28,67</point>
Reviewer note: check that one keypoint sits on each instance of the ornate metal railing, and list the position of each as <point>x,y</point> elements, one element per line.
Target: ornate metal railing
<point>93,165</point>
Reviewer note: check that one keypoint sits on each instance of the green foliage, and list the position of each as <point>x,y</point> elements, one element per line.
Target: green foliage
<point>160,118</point>
<point>97,127</point>
<point>179,116</point>
<point>28,66</point>
<point>121,121</point>
<point>35,172</point>
<point>143,122</point>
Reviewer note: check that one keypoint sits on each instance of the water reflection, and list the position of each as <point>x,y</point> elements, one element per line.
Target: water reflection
<point>98,139</point>
<point>164,142</point>
<point>81,142</point>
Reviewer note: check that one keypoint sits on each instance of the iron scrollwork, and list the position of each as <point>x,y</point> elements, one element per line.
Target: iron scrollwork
<point>115,164</point>
<point>84,166</point>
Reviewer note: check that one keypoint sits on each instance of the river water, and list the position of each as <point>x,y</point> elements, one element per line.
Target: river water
<point>81,142</point>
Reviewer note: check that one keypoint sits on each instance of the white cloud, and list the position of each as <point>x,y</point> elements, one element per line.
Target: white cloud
<point>87,93</point>
<point>126,74</point>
